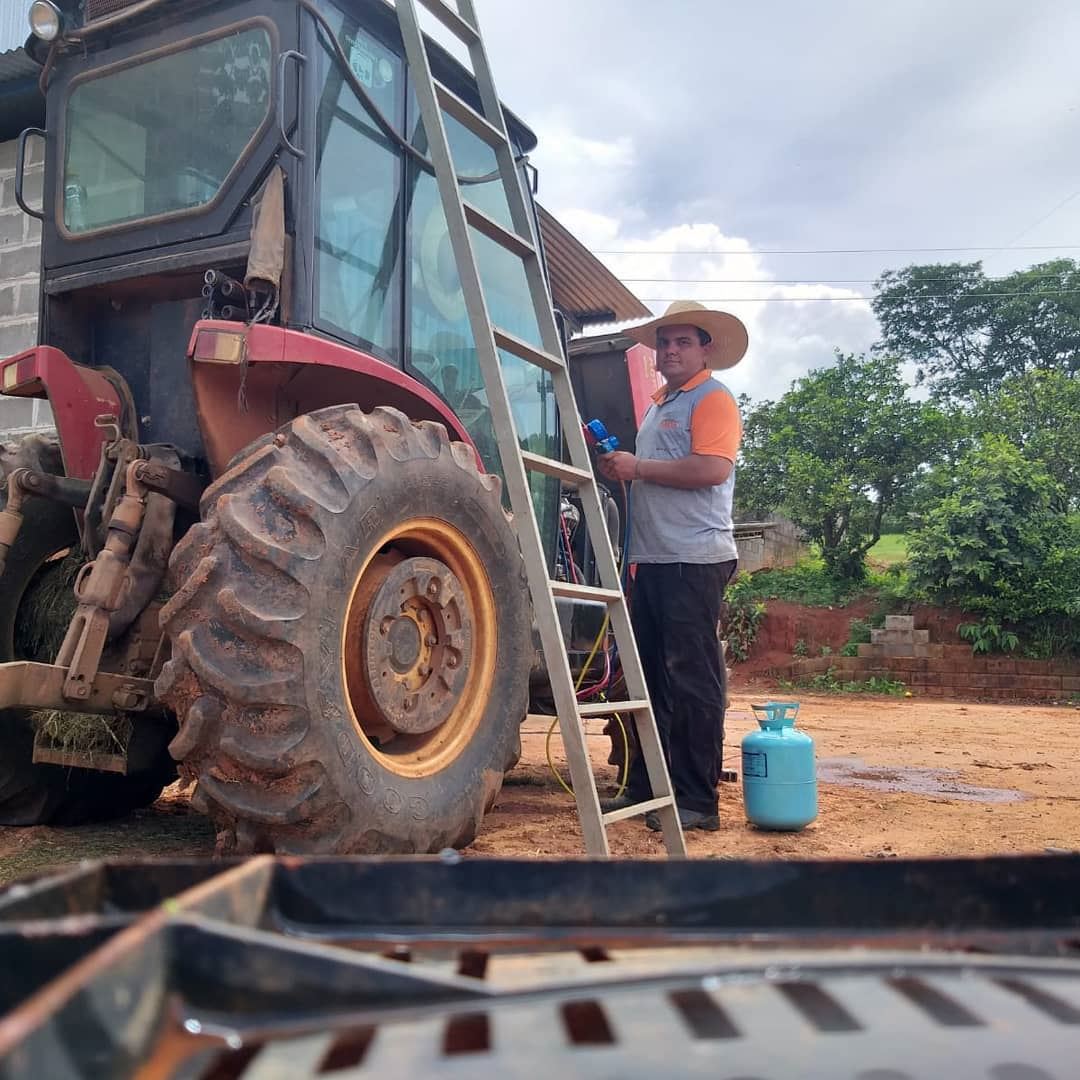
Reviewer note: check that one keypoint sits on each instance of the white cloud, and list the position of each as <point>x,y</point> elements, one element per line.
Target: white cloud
<point>792,328</point>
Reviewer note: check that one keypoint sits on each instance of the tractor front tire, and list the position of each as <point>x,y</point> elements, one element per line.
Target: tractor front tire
<point>351,640</point>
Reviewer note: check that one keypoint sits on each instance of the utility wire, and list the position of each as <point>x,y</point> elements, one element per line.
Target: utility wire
<point>797,281</point>
<point>839,299</point>
<point>1049,214</point>
<point>841,251</point>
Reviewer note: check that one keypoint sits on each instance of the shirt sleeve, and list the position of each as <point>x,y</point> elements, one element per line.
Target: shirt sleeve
<point>716,427</point>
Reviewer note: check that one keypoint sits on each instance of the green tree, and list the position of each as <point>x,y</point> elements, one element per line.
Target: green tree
<point>967,333</point>
<point>836,452</point>
<point>993,540</point>
<point>1039,413</point>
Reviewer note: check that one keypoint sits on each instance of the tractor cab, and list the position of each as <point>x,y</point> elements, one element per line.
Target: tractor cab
<point>263,162</point>
<point>289,572</point>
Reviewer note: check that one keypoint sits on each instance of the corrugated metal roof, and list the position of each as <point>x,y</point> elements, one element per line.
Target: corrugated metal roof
<point>15,65</point>
<point>14,29</point>
<point>580,283</point>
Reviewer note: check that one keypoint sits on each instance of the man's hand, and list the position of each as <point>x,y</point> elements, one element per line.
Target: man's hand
<point>618,465</point>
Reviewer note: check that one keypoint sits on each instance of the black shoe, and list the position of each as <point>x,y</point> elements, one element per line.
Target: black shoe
<point>622,802</point>
<point>688,819</point>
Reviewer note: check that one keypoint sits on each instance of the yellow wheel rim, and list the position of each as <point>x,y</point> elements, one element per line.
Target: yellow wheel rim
<point>437,656</point>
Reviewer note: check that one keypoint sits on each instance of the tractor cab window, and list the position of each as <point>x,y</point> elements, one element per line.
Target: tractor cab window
<point>381,240</point>
<point>358,224</point>
<point>161,136</point>
<point>442,349</point>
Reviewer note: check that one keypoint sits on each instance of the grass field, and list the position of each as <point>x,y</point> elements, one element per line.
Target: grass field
<point>891,548</point>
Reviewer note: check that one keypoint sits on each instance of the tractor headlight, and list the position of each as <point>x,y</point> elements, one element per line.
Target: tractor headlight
<point>46,22</point>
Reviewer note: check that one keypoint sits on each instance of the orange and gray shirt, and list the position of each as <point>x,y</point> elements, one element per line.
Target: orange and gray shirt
<point>667,524</point>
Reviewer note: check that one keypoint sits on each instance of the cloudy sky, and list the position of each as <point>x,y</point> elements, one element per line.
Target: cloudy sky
<point>721,129</point>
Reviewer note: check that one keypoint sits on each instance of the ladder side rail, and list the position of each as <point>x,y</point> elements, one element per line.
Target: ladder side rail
<point>520,209</point>
<point>506,435</point>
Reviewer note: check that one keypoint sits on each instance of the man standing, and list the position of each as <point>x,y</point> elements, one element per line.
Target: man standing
<point>682,542</point>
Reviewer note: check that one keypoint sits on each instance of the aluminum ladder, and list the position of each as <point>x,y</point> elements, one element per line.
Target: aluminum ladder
<point>490,125</point>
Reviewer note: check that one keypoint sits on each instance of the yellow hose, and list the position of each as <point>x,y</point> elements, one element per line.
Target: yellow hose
<point>622,727</point>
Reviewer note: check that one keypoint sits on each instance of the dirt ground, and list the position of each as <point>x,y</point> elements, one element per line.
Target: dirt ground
<point>898,777</point>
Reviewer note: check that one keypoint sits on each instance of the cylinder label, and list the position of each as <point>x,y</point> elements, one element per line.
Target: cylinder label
<point>755,763</point>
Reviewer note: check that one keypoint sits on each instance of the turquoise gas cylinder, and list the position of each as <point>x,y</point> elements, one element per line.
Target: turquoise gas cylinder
<point>779,781</point>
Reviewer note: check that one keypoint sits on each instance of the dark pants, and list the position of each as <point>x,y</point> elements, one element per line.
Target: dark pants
<point>675,608</point>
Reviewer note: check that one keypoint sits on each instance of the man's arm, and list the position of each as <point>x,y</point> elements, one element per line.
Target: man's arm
<point>689,473</point>
<point>715,432</point>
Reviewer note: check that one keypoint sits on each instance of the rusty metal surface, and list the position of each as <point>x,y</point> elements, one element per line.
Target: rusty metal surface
<point>77,394</point>
<point>447,967</point>
<point>416,645</point>
<point>41,686</point>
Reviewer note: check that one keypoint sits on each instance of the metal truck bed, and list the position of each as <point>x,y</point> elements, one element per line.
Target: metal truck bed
<point>875,970</point>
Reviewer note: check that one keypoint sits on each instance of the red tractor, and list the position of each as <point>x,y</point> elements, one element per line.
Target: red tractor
<point>265,546</point>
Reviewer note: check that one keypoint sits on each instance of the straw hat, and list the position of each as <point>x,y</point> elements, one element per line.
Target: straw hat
<point>729,340</point>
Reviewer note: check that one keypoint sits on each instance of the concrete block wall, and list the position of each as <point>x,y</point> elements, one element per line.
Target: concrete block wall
<point>953,671</point>
<point>20,268</point>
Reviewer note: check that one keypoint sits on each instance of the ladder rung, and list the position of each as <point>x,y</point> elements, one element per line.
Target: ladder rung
<point>572,591</point>
<point>525,351</point>
<point>506,238</point>
<point>638,809</point>
<point>550,467</point>
<point>452,21</point>
<point>462,111</point>
<point>609,708</point>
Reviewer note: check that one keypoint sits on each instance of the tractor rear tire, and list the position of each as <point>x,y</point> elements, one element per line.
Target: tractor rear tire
<point>37,794</point>
<point>351,641</point>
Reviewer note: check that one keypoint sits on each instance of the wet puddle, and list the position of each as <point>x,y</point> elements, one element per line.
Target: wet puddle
<point>853,772</point>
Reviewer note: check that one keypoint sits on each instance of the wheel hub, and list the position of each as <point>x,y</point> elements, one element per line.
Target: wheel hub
<point>417,633</point>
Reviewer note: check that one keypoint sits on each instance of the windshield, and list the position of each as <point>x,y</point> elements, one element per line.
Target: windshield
<point>161,137</point>
<point>382,245</point>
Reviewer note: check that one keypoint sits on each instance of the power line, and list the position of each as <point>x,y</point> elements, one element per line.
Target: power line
<point>841,299</point>
<point>1049,214</point>
<point>792,281</point>
<point>842,251</point>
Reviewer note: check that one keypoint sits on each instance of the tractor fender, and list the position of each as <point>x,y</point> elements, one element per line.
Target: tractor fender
<point>77,394</point>
<point>249,380</point>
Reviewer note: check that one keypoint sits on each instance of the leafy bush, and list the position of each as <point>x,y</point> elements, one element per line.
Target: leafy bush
<point>993,541</point>
<point>828,682</point>
<point>808,582</point>
<point>742,618</point>
<point>988,636</point>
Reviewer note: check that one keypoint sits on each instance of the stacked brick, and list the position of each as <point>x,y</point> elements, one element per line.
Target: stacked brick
<point>901,653</point>
<point>20,264</point>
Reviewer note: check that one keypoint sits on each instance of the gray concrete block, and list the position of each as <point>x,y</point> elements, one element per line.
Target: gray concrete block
<point>12,227</point>
<point>35,153</point>
<point>899,637</point>
<point>922,637</point>
<point>899,622</point>
<point>17,262</point>
<point>877,637</point>
<point>7,300</point>
<point>17,337</point>
<point>15,413</point>
<point>899,650</point>
<point>29,299</point>
<point>32,189</point>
